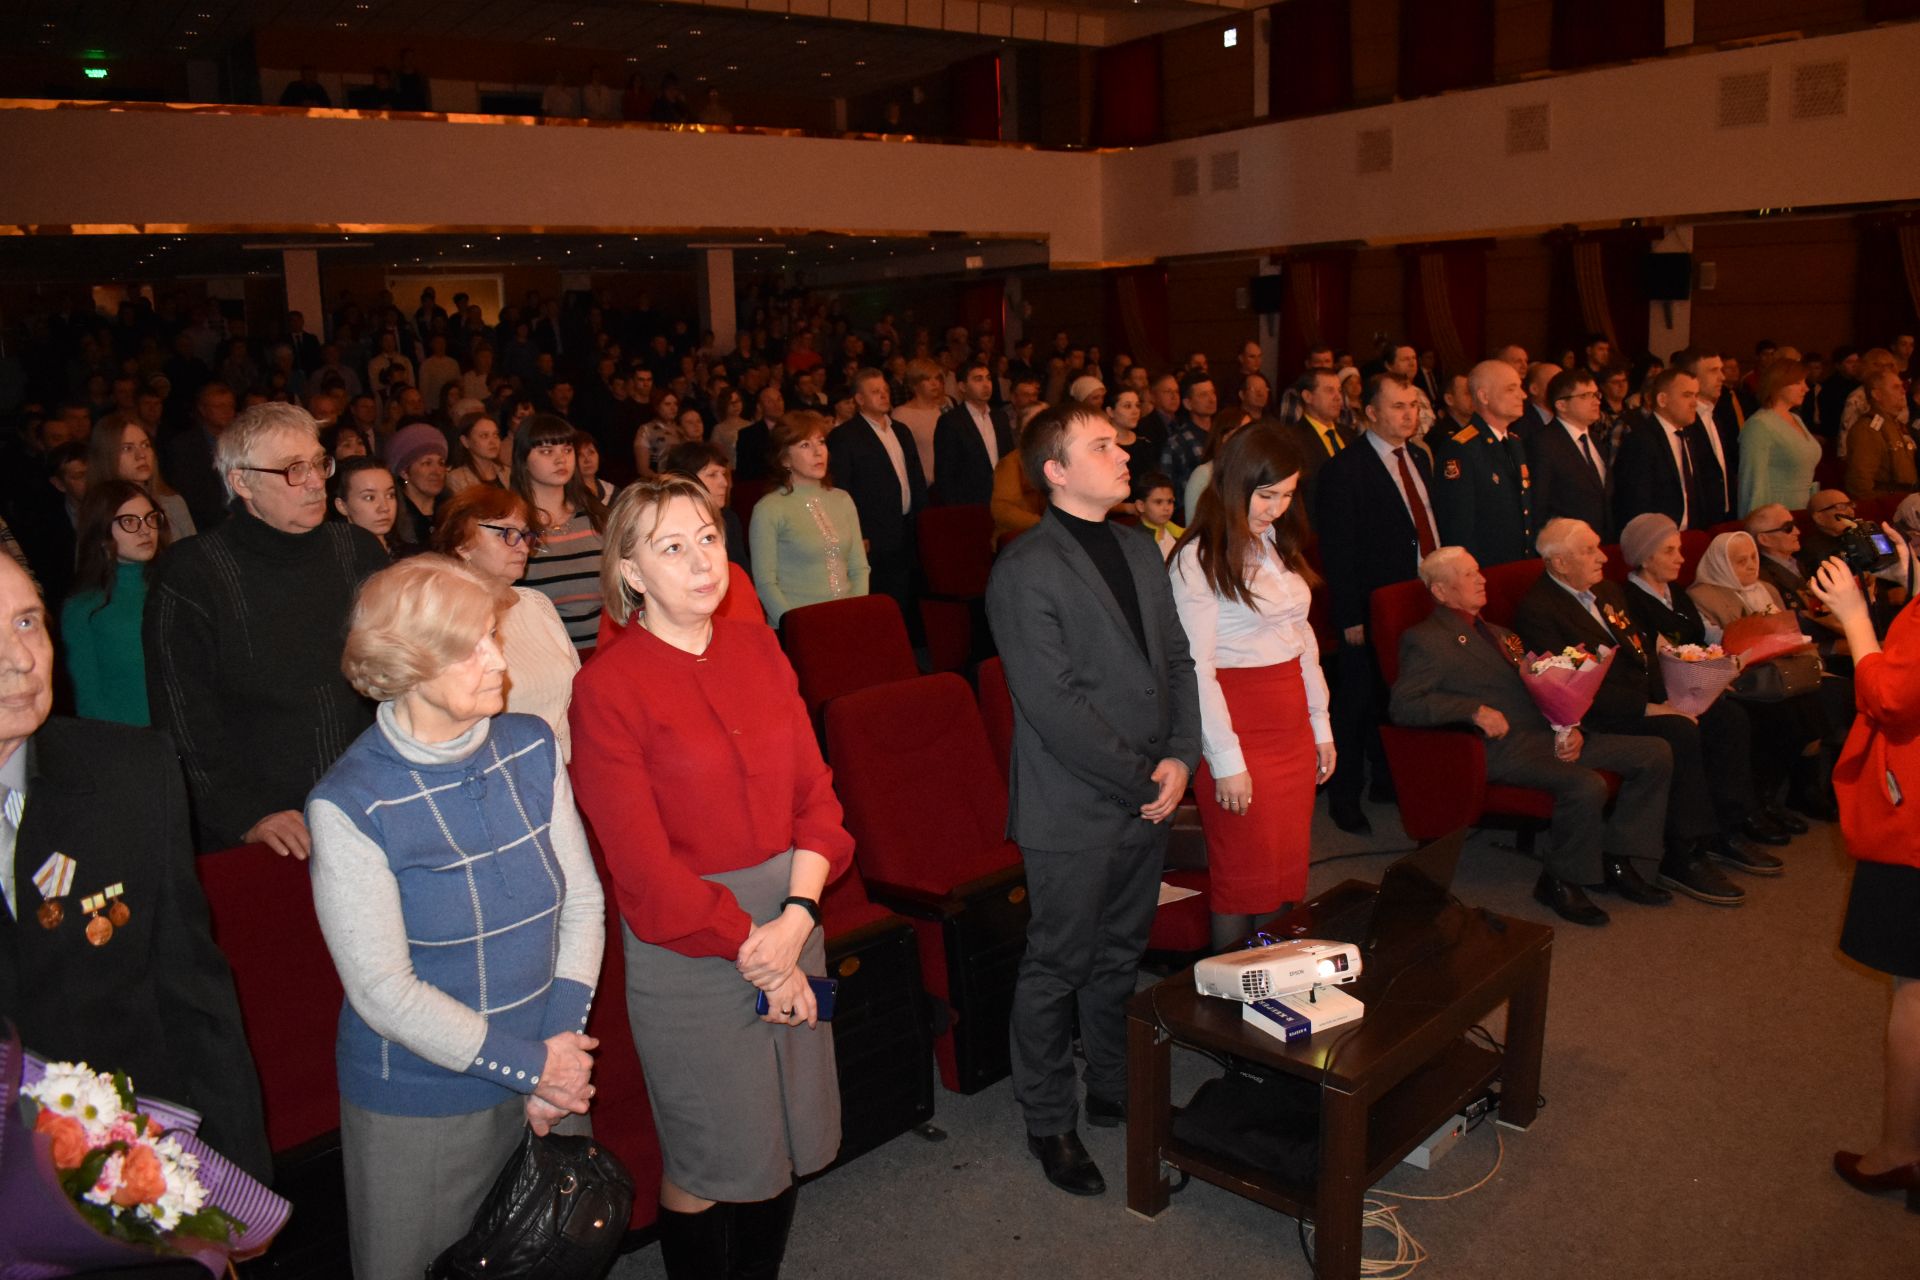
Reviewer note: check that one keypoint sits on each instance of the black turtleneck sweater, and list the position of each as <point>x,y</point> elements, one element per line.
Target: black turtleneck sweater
<point>1101,542</point>
<point>243,634</point>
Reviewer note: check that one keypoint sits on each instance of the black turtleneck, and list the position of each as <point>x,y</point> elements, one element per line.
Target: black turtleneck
<point>243,635</point>
<point>1101,542</point>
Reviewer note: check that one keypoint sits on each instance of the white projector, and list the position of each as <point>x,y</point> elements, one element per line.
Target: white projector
<point>1263,973</point>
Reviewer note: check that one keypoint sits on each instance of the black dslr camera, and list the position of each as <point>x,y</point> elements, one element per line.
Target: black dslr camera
<point>1867,549</point>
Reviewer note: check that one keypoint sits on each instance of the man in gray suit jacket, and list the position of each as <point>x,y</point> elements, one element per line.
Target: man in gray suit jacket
<point>1106,733</point>
<point>1458,668</point>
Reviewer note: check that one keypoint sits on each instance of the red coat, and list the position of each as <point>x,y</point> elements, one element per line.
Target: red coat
<point>687,765</point>
<point>1879,770</point>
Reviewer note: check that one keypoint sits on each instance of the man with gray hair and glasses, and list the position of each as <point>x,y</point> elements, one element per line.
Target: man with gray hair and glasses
<point>243,632</point>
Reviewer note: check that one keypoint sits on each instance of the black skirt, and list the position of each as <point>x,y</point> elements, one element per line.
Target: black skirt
<point>1882,929</point>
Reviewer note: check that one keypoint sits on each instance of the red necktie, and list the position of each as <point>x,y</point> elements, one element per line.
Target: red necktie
<point>1422,527</point>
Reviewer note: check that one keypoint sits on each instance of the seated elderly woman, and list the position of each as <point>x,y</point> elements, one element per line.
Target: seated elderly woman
<point>1671,617</point>
<point>447,1053</point>
<point>492,531</point>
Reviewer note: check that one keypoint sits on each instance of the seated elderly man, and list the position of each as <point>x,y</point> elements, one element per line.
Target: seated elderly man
<point>1457,668</point>
<point>1572,604</point>
<point>243,633</point>
<point>87,807</point>
<point>1832,512</point>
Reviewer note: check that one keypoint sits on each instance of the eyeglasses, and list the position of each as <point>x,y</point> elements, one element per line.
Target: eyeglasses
<point>297,474</point>
<point>514,537</point>
<point>155,519</point>
<point>1845,508</point>
<point>1579,395</point>
<point>1788,527</point>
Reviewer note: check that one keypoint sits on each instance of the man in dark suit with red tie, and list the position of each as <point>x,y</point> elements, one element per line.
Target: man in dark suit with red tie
<point>1376,523</point>
<point>1666,463</point>
<point>1568,457</point>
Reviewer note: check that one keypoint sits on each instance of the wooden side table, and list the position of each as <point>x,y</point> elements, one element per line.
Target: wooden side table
<point>1386,1082</point>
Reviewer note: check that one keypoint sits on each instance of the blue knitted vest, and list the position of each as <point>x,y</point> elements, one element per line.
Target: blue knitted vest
<point>481,892</point>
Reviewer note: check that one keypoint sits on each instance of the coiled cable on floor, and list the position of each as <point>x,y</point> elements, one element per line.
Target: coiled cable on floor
<point>1377,1215</point>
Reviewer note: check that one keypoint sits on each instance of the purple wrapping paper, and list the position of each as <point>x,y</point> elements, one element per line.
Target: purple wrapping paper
<point>1692,687</point>
<point>43,1235</point>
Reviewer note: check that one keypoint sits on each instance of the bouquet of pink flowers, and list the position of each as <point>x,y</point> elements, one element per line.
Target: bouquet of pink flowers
<point>1696,674</point>
<point>93,1176</point>
<point>1563,684</point>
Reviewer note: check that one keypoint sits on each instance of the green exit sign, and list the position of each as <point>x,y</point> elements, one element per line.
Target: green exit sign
<point>96,73</point>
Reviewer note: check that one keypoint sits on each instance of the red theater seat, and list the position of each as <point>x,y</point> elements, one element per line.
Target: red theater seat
<point>996,711</point>
<point>956,555</point>
<point>261,905</point>
<point>927,811</point>
<point>842,645</point>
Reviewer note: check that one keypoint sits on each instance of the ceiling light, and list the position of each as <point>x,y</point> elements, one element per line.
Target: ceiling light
<point>579,22</point>
<point>660,46</point>
<point>633,57</point>
<point>826,75</point>
<point>859,62</point>
<point>195,33</point>
<point>543,39</point>
<point>695,31</point>
<point>731,66</point>
<point>799,41</point>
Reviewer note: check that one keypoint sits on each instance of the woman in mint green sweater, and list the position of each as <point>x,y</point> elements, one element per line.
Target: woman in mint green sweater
<point>121,531</point>
<point>805,534</point>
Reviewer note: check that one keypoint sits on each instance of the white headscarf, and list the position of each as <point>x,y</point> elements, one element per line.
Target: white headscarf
<point>1716,569</point>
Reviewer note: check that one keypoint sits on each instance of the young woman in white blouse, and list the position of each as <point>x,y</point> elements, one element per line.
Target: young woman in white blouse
<point>1243,588</point>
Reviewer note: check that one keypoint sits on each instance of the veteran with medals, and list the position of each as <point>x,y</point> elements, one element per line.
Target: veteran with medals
<point>1482,483</point>
<point>105,953</point>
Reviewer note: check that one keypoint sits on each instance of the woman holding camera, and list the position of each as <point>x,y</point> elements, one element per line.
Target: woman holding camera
<point>1880,765</point>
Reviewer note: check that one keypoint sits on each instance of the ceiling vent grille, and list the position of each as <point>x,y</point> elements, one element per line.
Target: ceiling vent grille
<point>1223,171</point>
<point>1374,151</point>
<point>1529,129</point>
<point>1745,99</point>
<point>1186,176</point>
<point>1819,90</point>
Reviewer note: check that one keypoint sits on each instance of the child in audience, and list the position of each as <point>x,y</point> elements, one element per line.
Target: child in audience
<point>1155,505</point>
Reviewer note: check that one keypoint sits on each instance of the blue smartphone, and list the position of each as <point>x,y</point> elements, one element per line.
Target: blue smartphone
<point>824,991</point>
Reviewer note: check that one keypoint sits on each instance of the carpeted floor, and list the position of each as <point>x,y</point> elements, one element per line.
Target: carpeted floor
<point>1702,1066</point>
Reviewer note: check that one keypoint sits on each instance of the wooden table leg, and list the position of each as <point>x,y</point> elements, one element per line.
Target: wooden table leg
<point>1338,1206</point>
<point>1149,1114</point>
<point>1526,1044</point>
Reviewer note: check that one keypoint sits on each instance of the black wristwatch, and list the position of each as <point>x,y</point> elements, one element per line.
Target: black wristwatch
<point>812,905</point>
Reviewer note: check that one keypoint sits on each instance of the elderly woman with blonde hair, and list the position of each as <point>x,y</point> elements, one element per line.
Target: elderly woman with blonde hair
<point>698,767</point>
<point>454,887</point>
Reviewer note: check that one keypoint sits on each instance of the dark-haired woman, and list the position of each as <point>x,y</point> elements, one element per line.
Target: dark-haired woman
<point>566,567</point>
<point>123,449</point>
<point>121,531</point>
<point>711,465</point>
<point>1243,589</point>
<point>363,492</point>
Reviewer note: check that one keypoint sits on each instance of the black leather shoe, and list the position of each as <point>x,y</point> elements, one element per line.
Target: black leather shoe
<point>1067,1163</point>
<point>1352,821</point>
<point>1786,821</point>
<point>1569,901</point>
<point>1755,862</point>
<point>1701,882</point>
<point>1625,879</point>
<point>1761,830</point>
<point>1103,1114</point>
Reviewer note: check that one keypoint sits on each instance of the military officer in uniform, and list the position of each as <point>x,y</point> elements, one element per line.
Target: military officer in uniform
<point>1480,472</point>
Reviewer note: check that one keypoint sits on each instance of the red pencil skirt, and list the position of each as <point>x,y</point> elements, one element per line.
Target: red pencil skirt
<point>1258,859</point>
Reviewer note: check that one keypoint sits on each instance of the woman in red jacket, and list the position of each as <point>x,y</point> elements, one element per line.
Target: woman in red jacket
<point>696,764</point>
<point>1880,764</point>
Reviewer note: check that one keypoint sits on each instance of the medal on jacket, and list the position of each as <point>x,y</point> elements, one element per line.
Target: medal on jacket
<point>1515,649</point>
<point>54,880</point>
<point>100,927</point>
<point>116,905</point>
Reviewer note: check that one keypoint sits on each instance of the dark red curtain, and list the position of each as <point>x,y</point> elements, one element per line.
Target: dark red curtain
<point>1587,33</point>
<point>1317,290</point>
<point>976,97</point>
<point>1446,302</point>
<point>1892,10</point>
<point>1139,316</point>
<point>983,308</point>
<point>1312,57</point>
<point>1445,44</point>
<point>1886,298</point>
<point>1598,285</point>
<point>1126,87</point>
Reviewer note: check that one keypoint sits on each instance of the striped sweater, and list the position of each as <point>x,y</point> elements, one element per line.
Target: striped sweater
<point>566,569</point>
<point>454,887</point>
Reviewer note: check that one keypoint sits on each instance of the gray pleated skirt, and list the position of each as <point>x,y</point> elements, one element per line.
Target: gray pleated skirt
<point>742,1107</point>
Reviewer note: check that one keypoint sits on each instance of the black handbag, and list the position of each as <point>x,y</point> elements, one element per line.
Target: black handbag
<point>558,1211</point>
<point>1787,676</point>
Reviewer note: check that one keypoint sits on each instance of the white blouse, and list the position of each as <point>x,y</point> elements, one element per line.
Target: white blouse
<point>1226,633</point>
